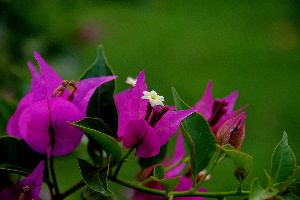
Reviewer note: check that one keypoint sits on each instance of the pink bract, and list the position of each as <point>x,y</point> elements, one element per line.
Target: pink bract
<point>144,127</point>
<point>30,186</point>
<point>41,119</point>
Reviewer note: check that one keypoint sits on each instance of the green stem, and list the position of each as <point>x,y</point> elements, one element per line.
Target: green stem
<point>57,193</point>
<point>219,158</point>
<point>184,159</point>
<point>72,189</point>
<point>147,180</point>
<point>171,197</point>
<point>189,193</point>
<point>121,162</point>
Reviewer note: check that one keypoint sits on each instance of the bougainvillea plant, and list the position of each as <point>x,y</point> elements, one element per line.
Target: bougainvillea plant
<point>52,118</point>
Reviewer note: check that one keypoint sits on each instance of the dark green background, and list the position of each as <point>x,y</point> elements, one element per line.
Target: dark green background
<point>250,46</point>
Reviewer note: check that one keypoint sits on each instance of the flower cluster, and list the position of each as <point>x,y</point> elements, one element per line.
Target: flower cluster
<point>44,117</point>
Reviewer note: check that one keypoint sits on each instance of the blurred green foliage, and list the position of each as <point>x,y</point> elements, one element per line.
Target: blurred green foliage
<point>251,46</point>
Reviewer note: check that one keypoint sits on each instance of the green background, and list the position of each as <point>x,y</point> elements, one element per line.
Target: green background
<point>249,46</point>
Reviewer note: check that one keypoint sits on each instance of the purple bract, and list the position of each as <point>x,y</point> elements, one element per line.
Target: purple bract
<point>42,116</point>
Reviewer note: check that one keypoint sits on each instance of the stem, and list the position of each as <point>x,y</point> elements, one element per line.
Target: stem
<point>50,190</point>
<point>189,193</point>
<point>184,159</point>
<point>147,180</point>
<point>219,158</point>
<point>121,162</point>
<point>72,189</point>
<point>171,197</point>
<point>57,193</point>
<point>49,184</point>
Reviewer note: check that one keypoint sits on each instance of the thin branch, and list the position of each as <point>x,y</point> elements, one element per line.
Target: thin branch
<point>73,189</point>
<point>121,162</point>
<point>189,193</point>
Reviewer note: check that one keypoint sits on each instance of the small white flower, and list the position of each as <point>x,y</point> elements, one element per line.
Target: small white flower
<point>131,81</point>
<point>154,98</point>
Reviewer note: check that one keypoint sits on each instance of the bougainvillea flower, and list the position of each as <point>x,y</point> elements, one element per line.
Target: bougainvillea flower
<point>42,116</point>
<point>216,111</point>
<point>232,131</point>
<point>185,182</point>
<point>28,188</point>
<point>144,122</point>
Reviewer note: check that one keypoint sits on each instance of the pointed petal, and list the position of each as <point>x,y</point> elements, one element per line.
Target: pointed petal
<point>35,77</point>
<point>121,102</point>
<point>129,104</point>
<point>169,123</point>
<point>230,100</point>
<point>50,78</point>
<point>34,181</point>
<point>12,126</point>
<point>139,133</point>
<point>205,105</point>
<point>86,88</point>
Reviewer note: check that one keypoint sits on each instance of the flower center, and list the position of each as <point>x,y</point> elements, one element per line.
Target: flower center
<point>62,88</point>
<point>219,109</point>
<point>154,98</point>
<point>131,81</point>
<point>155,108</point>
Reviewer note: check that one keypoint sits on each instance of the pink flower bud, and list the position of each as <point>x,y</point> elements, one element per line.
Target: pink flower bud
<point>232,131</point>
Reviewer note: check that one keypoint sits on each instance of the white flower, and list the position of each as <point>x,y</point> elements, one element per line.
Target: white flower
<point>131,81</point>
<point>154,98</point>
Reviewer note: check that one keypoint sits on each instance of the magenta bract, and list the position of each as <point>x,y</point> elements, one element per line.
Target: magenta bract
<point>42,116</point>
<point>142,126</point>
<point>185,182</point>
<point>216,111</point>
<point>28,188</point>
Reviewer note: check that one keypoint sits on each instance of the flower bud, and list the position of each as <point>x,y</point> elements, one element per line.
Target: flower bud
<point>232,131</point>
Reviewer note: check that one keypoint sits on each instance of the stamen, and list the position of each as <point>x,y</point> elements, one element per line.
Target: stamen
<point>131,81</point>
<point>64,85</point>
<point>26,189</point>
<point>24,194</point>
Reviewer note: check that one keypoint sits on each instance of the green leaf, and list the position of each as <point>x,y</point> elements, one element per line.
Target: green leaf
<point>90,194</point>
<point>94,177</point>
<point>17,156</point>
<point>96,124</point>
<point>201,140</point>
<point>170,183</point>
<point>147,162</point>
<point>102,105</point>
<point>159,172</point>
<point>108,143</point>
<point>283,164</point>
<point>289,197</point>
<point>242,161</point>
<point>259,193</point>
